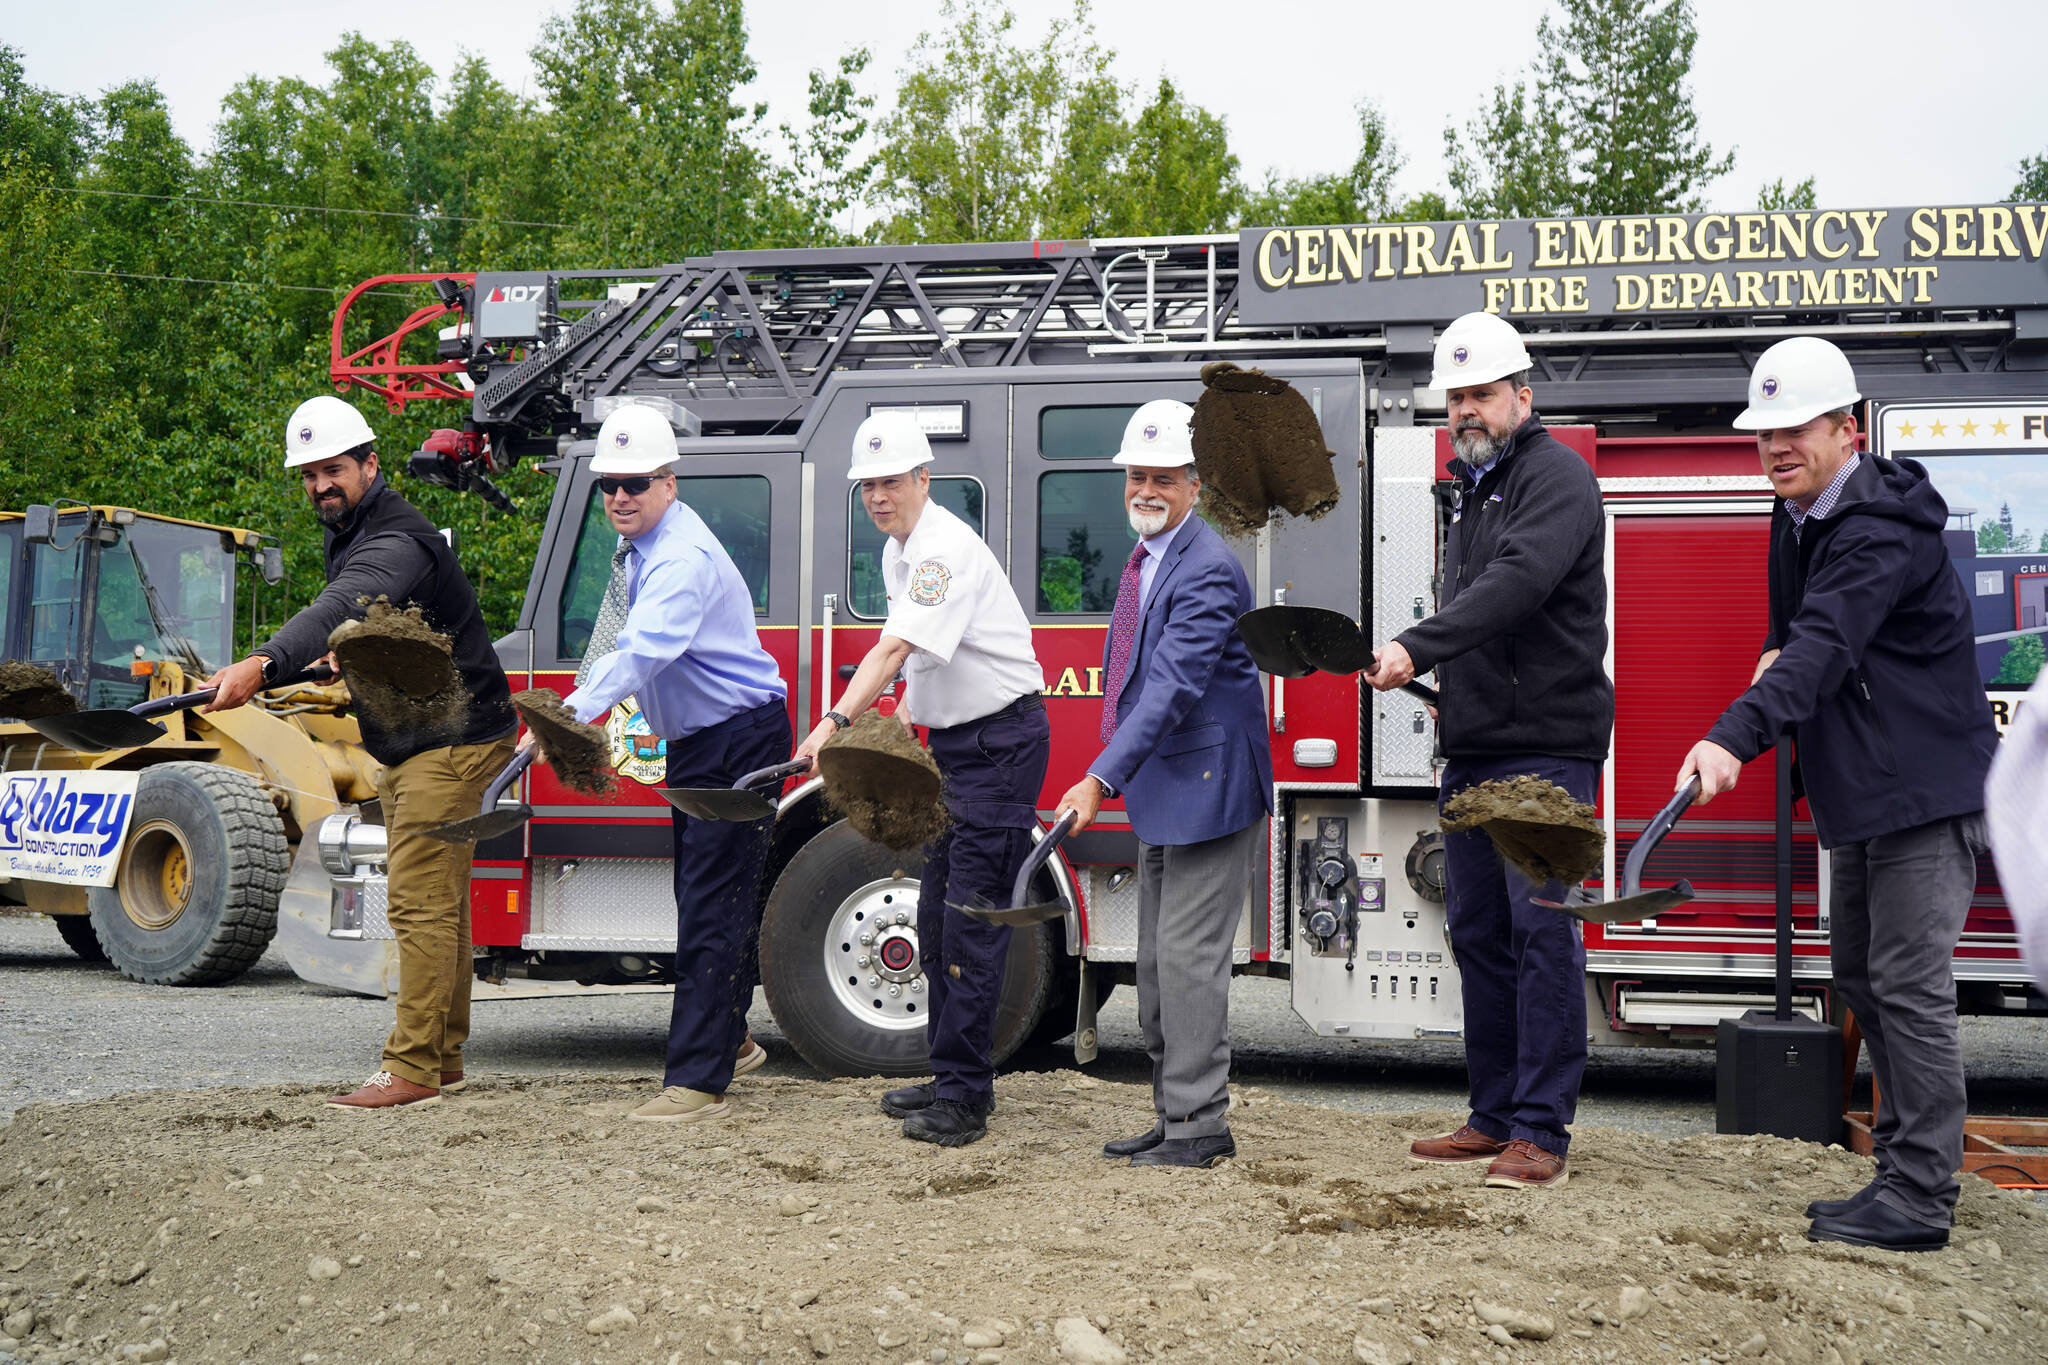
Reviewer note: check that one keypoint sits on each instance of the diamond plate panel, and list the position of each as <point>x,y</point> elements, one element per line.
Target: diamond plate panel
<point>1113,920</point>
<point>361,905</point>
<point>1403,565</point>
<point>604,899</point>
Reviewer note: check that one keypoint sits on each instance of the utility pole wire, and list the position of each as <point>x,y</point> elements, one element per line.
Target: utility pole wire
<point>240,284</point>
<point>304,208</point>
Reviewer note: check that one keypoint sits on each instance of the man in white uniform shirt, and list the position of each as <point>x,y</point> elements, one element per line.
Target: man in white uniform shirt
<point>959,635</point>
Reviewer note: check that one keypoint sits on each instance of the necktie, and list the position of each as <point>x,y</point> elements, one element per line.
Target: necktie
<point>1123,637</point>
<point>611,615</point>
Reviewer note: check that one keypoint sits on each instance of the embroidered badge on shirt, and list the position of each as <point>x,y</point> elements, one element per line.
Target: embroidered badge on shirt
<point>928,583</point>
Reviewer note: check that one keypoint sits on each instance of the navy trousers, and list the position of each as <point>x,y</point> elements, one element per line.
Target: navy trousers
<point>718,868</point>
<point>993,769</point>
<point>1523,969</point>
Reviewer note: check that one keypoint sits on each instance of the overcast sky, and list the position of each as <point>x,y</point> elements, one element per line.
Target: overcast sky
<point>1886,102</point>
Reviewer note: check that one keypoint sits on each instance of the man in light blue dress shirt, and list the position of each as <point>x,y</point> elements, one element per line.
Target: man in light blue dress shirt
<point>688,650</point>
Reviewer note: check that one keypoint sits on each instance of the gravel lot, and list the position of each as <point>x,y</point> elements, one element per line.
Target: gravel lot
<point>75,1031</point>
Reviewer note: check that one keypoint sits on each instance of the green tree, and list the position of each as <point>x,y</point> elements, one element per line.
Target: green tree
<point>1168,170</point>
<point>2022,662</point>
<point>1603,123</point>
<point>1361,194</point>
<point>1778,195</point>
<point>2033,182</point>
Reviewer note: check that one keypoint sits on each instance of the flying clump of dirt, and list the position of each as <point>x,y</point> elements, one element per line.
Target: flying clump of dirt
<point>28,692</point>
<point>401,670</point>
<point>576,751</point>
<point>883,783</point>
<point>1258,447</point>
<point>1537,825</point>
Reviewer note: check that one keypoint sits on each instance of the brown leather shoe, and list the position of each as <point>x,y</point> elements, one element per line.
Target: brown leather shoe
<point>1467,1144</point>
<point>386,1091</point>
<point>451,1082</point>
<point>1525,1166</point>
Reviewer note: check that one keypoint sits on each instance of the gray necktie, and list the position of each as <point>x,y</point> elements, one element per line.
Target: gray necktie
<point>611,615</point>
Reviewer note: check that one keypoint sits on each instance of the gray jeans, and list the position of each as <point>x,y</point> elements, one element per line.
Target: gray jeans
<point>1899,904</point>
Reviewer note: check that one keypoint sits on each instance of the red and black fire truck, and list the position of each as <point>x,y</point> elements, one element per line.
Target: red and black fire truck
<point>1022,362</point>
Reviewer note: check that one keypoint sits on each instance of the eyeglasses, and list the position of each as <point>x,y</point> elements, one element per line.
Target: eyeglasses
<point>636,486</point>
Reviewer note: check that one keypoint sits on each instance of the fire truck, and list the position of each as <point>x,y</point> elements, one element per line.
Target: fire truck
<point>1022,362</point>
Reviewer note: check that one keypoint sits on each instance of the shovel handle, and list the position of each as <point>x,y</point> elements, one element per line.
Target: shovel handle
<point>1422,690</point>
<point>1041,854</point>
<point>521,761</point>
<point>1653,834</point>
<point>776,773</point>
<point>185,701</point>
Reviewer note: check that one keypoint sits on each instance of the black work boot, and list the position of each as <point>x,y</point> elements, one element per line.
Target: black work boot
<point>1131,1146</point>
<point>901,1104</point>
<point>949,1123</point>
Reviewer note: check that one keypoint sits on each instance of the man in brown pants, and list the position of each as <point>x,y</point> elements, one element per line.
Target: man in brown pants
<point>378,545</point>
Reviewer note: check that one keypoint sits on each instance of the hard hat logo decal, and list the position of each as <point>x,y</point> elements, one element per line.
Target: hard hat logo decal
<point>1151,431</point>
<point>874,443</point>
<point>622,439</point>
<point>1460,355</point>
<point>305,436</point>
<point>1769,388</point>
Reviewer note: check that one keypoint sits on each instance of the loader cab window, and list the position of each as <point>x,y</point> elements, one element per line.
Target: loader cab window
<point>53,596</point>
<point>164,591</point>
<point>1084,539</point>
<point>10,554</point>
<point>734,507</point>
<point>866,596</point>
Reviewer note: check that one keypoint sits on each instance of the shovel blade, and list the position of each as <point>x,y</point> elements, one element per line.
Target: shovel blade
<point>484,825</point>
<point>1016,916</point>
<point>1331,641</point>
<point>95,732</point>
<point>1268,635</point>
<point>1642,905</point>
<point>718,803</point>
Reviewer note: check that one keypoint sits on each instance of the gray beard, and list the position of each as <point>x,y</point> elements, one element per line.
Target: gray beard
<point>1476,448</point>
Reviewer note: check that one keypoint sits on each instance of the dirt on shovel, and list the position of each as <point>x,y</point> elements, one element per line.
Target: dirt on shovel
<point>578,752</point>
<point>883,783</point>
<point>1258,449</point>
<point>28,692</point>
<point>401,670</point>
<point>1537,825</point>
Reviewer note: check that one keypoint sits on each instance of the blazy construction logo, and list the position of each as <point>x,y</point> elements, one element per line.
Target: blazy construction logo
<point>52,815</point>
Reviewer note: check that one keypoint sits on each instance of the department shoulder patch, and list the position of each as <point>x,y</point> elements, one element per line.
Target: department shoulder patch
<point>928,583</point>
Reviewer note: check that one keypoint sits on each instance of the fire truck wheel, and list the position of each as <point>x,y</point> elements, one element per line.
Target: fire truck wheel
<point>840,966</point>
<point>76,931</point>
<point>194,901</point>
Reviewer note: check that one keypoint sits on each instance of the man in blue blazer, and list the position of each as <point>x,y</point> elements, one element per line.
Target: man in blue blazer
<point>1184,743</point>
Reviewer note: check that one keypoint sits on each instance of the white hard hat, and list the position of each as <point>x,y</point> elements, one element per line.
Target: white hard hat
<point>634,440</point>
<point>1157,436</point>
<point>1796,381</point>
<point>322,428</point>
<point>888,443</point>
<point>1478,348</point>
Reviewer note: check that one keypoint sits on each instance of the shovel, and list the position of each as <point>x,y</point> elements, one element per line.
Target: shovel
<point>1019,913</point>
<point>95,732</point>
<point>1293,642</point>
<point>492,820</point>
<point>1634,902</point>
<point>740,801</point>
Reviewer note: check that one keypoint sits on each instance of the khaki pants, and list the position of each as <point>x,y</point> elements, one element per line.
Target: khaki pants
<point>429,905</point>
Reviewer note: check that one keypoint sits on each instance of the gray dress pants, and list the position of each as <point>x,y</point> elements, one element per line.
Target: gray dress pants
<point>1899,904</point>
<point>1189,899</point>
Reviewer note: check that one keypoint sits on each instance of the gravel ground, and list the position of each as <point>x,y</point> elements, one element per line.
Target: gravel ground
<point>76,1032</point>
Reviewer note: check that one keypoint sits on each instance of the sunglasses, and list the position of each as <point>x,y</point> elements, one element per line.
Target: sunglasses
<point>636,486</point>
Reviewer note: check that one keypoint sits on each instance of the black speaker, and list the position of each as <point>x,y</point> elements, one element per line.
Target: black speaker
<point>1778,1076</point>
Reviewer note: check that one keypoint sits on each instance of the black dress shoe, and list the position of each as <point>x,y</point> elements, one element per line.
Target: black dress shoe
<point>949,1123</point>
<point>1835,1208</point>
<point>1878,1224</point>
<point>1199,1152</point>
<point>1143,1142</point>
<point>901,1104</point>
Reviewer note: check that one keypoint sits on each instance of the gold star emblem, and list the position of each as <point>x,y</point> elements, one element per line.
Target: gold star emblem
<point>1937,429</point>
<point>1998,427</point>
<point>1969,428</point>
<point>1906,428</point>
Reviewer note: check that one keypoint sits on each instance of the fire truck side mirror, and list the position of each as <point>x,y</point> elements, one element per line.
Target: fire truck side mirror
<point>39,524</point>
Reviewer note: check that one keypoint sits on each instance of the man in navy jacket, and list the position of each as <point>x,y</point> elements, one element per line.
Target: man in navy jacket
<point>1870,665</point>
<point>1184,743</point>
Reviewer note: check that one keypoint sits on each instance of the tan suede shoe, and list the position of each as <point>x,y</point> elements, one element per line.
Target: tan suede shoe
<point>386,1091</point>
<point>678,1105</point>
<point>750,1057</point>
<point>1467,1144</point>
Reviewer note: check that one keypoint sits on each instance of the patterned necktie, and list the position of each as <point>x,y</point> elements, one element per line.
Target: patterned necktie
<point>611,615</point>
<point>1123,637</point>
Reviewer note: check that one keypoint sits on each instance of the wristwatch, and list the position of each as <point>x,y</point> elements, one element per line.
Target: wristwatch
<point>269,667</point>
<point>839,722</point>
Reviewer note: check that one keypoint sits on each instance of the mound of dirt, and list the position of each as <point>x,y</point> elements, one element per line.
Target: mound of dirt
<point>28,692</point>
<point>1537,825</point>
<point>1258,448</point>
<point>528,1221</point>
<point>883,782</point>
<point>400,670</point>
<point>577,752</point>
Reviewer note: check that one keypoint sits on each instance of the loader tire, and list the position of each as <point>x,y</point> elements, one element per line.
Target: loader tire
<point>833,889</point>
<point>194,901</point>
<point>76,931</point>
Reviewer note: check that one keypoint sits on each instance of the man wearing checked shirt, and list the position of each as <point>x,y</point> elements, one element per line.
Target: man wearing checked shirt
<point>687,649</point>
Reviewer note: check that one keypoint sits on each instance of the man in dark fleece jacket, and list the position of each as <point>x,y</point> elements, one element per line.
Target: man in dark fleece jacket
<point>1518,643</point>
<point>378,545</point>
<point>1870,666</point>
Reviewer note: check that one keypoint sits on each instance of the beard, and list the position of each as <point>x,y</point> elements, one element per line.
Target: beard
<point>1147,522</point>
<point>331,510</point>
<point>1476,443</point>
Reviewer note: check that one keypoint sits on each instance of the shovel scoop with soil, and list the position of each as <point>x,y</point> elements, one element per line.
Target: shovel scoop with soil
<point>28,692</point>
<point>1537,825</point>
<point>883,783</point>
<point>400,669</point>
<point>1258,449</point>
<point>577,752</point>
